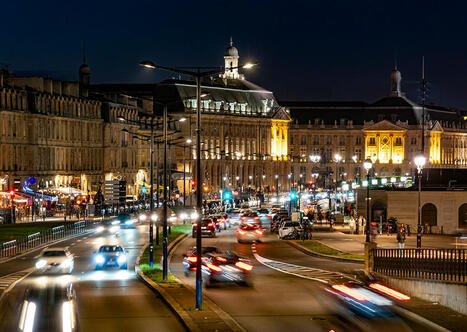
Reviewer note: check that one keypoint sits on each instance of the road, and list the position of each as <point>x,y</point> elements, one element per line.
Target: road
<point>279,299</point>
<point>108,300</point>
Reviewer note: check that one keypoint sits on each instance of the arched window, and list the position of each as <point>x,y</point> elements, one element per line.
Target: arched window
<point>429,215</point>
<point>463,216</point>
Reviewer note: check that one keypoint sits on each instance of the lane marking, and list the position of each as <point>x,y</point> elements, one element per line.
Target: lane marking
<point>9,281</point>
<point>322,276</point>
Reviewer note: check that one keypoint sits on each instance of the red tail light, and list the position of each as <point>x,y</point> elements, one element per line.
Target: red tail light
<point>243,218</point>
<point>195,224</point>
<point>244,266</point>
<point>259,232</point>
<point>192,259</point>
<point>241,232</point>
<point>221,259</point>
<point>389,291</point>
<point>256,218</point>
<point>211,224</point>
<point>350,292</point>
<point>213,267</point>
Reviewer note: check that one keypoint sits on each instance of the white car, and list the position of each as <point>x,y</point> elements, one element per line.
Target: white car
<point>288,227</point>
<point>55,260</point>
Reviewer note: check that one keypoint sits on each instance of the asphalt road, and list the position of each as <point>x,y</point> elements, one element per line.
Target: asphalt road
<point>108,300</point>
<point>279,299</point>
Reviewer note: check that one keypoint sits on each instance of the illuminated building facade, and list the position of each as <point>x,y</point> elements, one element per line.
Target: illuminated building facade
<point>387,131</point>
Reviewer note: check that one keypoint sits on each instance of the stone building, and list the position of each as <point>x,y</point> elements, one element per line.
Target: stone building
<point>343,134</point>
<point>55,134</point>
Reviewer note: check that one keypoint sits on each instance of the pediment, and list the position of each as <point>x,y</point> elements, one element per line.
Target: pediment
<point>281,114</point>
<point>437,127</point>
<point>384,125</point>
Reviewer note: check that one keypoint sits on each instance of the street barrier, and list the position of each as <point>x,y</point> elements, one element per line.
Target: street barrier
<point>428,264</point>
<point>20,245</point>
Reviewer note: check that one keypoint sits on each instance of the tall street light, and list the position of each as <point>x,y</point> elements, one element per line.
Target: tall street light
<point>188,143</point>
<point>420,161</point>
<point>337,159</point>
<point>367,164</point>
<point>198,73</point>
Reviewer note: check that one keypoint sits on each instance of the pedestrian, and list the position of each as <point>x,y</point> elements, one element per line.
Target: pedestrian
<point>408,230</point>
<point>401,238</point>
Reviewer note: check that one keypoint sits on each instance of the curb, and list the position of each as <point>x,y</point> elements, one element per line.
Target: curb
<point>313,253</point>
<point>186,320</point>
<point>184,317</point>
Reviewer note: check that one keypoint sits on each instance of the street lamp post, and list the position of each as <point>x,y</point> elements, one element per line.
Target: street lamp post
<point>337,159</point>
<point>420,161</point>
<point>198,75</point>
<point>277,185</point>
<point>367,164</point>
<point>188,141</point>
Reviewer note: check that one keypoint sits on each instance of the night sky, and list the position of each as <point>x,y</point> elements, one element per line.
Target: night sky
<point>306,49</point>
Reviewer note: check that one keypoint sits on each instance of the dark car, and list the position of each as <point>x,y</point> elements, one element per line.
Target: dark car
<point>50,307</point>
<point>225,267</point>
<point>190,258</point>
<point>250,217</point>
<point>208,227</point>
<point>109,255</point>
<point>124,220</point>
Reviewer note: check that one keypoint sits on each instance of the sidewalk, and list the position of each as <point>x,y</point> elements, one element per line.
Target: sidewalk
<point>354,244</point>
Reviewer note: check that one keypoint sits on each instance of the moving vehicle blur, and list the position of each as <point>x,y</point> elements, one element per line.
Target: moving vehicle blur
<point>55,260</point>
<point>248,233</point>
<point>190,258</point>
<point>110,255</point>
<point>225,267</point>
<point>234,215</point>
<point>208,228</point>
<point>250,217</point>
<point>50,307</point>
<point>125,221</point>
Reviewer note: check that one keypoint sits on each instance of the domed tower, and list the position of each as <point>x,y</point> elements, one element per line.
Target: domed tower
<point>84,79</point>
<point>396,83</point>
<point>231,62</point>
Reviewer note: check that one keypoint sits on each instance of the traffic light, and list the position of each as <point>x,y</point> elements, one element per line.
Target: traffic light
<point>227,195</point>
<point>293,195</point>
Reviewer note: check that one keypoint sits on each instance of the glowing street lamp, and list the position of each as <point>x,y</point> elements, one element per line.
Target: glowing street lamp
<point>419,161</point>
<point>367,165</point>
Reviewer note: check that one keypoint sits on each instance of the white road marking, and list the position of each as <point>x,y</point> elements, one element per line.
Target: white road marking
<point>9,281</point>
<point>305,272</point>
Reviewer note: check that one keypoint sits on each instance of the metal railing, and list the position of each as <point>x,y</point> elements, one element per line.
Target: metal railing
<point>31,241</point>
<point>430,264</point>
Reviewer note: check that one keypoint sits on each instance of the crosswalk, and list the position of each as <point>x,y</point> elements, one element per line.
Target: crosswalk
<point>322,276</point>
<point>10,279</point>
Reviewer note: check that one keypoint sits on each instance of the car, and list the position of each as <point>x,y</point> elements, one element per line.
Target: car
<point>288,227</point>
<point>55,260</point>
<point>111,255</point>
<point>234,215</point>
<point>49,307</point>
<point>190,258</point>
<point>225,267</point>
<point>217,222</point>
<point>250,217</point>
<point>208,228</point>
<point>125,221</point>
<point>248,233</point>
<point>222,220</point>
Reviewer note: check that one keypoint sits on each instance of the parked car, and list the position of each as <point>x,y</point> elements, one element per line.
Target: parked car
<point>288,227</point>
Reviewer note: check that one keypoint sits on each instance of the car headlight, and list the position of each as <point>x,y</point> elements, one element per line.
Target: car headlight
<point>183,216</point>
<point>194,215</point>
<point>67,263</point>
<point>129,222</point>
<point>40,264</point>
<point>26,322</point>
<point>116,222</point>
<point>99,229</point>
<point>154,217</point>
<point>100,259</point>
<point>121,259</point>
<point>142,217</point>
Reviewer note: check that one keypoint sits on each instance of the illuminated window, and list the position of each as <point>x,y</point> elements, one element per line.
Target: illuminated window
<point>372,141</point>
<point>398,141</point>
